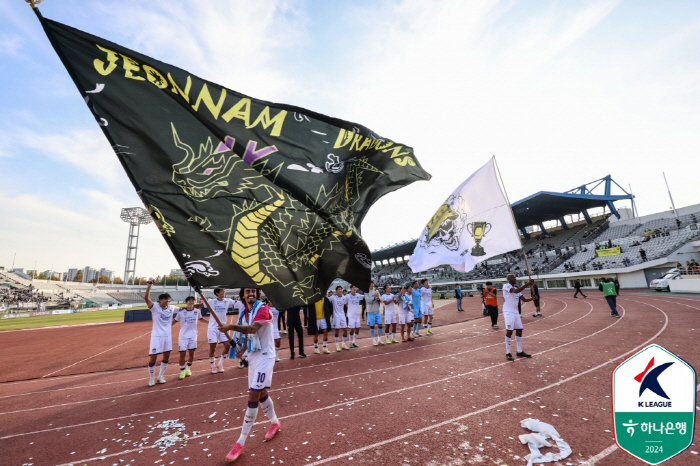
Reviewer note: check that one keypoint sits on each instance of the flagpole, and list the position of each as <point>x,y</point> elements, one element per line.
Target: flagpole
<point>211,310</point>
<point>505,192</point>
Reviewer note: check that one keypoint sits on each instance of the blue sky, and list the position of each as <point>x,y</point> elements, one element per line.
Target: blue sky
<point>561,92</point>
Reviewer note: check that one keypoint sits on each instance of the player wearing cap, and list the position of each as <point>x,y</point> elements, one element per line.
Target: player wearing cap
<point>511,297</point>
<point>161,334</point>
<point>187,340</point>
<point>254,335</point>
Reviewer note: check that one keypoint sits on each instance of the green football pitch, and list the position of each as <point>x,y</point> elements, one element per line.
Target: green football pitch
<point>109,315</point>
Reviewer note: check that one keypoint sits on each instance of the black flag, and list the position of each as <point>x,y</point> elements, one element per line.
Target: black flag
<point>245,192</point>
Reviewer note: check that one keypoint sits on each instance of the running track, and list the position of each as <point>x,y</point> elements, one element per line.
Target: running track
<point>451,398</point>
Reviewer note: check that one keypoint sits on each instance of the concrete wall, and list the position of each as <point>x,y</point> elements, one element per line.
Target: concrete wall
<point>685,286</point>
<point>636,279</point>
<point>614,222</point>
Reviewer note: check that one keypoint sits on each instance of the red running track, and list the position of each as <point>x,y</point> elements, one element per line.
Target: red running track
<point>450,398</point>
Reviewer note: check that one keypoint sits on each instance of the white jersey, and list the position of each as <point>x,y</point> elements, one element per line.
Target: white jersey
<point>162,320</point>
<point>510,300</point>
<point>275,316</point>
<point>354,304</point>
<point>220,307</point>
<point>388,307</point>
<point>426,296</point>
<point>239,306</point>
<point>188,322</point>
<point>265,332</point>
<point>338,303</point>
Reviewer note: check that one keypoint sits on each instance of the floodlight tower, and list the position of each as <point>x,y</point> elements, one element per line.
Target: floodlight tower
<point>135,217</point>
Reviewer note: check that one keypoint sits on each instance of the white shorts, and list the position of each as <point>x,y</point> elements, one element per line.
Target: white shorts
<point>160,345</point>
<point>427,309</point>
<point>354,322</point>
<point>321,325</point>
<point>185,344</point>
<point>405,317</point>
<point>339,322</point>
<point>276,336</point>
<point>513,321</point>
<point>214,336</point>
<point>389,317</point>
<point>260,368</point>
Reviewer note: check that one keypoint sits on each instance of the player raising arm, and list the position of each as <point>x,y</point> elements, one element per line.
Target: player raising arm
<point>161,334</point>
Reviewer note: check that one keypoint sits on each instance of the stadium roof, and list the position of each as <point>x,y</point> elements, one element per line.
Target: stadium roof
<point>542,207</point>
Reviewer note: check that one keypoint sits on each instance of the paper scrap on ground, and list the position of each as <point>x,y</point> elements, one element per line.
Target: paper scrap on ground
<point>537,440</point>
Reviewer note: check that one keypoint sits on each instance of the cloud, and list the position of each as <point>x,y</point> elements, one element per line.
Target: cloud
<point>86,150</point>
<point>75,231</point>
<point>10,44</point>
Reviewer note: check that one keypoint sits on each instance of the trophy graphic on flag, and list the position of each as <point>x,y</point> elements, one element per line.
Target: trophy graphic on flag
<point>478,230</point>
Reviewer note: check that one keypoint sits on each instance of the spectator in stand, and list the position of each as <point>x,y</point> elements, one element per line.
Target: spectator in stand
<point>678,223</point>
<point>643,254</point>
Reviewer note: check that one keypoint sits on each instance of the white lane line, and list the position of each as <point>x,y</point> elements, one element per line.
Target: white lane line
<point>488,332</point>
<point>95,355</point>
<point>299,385</point>
<point>594,459</point>
<point>374,396</point>
<point>421,361</point>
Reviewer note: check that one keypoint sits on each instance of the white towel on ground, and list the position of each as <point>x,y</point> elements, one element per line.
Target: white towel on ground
<point>538,440</point>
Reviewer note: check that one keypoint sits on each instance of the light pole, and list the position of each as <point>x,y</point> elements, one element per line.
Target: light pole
<point>669,195</point>
<point>135,217</point>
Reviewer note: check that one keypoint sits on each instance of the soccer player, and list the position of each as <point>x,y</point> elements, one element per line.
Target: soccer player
<point>417,314</point>
<point>187,341</point>
<point>339,321</point>
<point>491,302</point>
<point>254,335</point>
<point>275,317</point>
<point>353,299</point>
<point>220,305</point>
<point>406,312</point>
<point>511,316</point>
<point>427,306</point>
<point>535,294</point>
<point>321,326</point>
<point>161,335</point>
<point>374,316</point>
<point>389,314</point>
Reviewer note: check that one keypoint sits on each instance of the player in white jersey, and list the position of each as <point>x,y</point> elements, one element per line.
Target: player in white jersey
<point>187,340</point>
<point>220,305</point>
<point>339,320</point>
<point>275,315</point>
<point>389,315</point>
<point>511,296</point>
<point>353,299</point>
<point>254,335</point>
<point>406,312</point>
<point>427,306</point>
<point>161,334</point>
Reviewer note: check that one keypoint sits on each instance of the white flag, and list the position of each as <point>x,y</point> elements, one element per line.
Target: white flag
<point>472,225</point>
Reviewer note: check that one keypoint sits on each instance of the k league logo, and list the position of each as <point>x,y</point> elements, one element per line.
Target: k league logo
<point>653,401</point>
